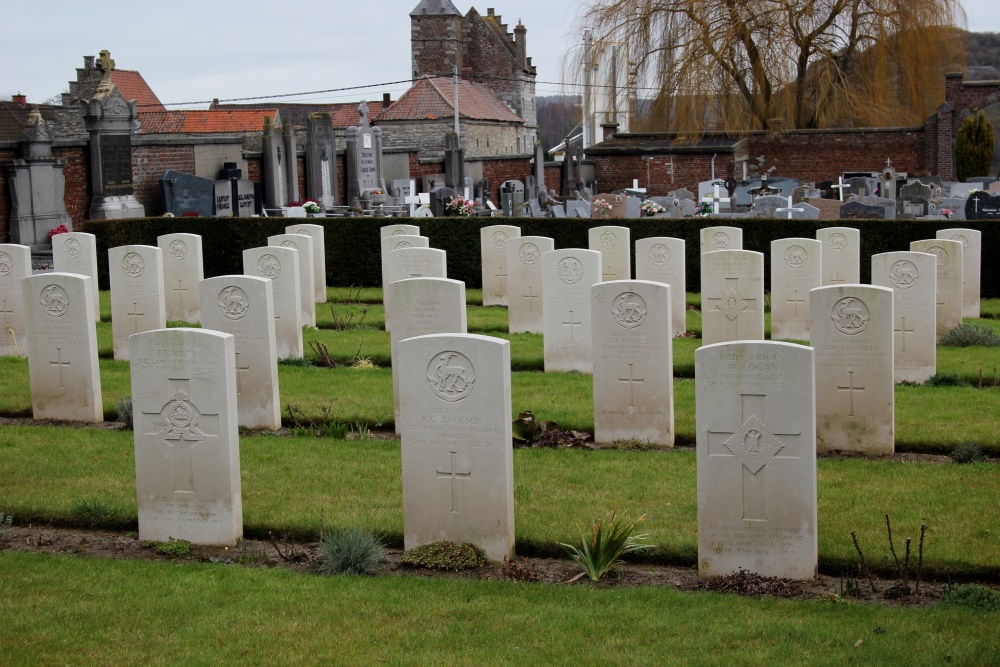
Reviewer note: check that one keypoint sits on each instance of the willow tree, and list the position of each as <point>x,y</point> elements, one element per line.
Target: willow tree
<point>738,66</point>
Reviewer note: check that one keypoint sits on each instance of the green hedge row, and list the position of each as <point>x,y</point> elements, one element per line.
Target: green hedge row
<point>352,244</point>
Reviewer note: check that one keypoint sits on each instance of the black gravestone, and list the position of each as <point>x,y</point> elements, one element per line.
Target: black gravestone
<point>853,210</point>
<point>982,206</point>
<point>116,164</point>
<point>440,197</point>
<point>183,193</point>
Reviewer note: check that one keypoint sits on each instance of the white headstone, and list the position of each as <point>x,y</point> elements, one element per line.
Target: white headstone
<point>302,243</point>
<point>721,238</point>
<point>62,365</point>
<point>524,266</point>
<point>137,293</point>
<point>388,244</point>
<point>796,268</point>
<point>399,230</point>
<point>633,362</point>
<point>567,276</point>
<point>458,478</point>
<point>615,246</point>
<point>281,266</point>
<point>913,278</point>
<point>182,269</point>
<point>187,445</point>
<point>949,280</point>
<point>732,296</point>
<point>318,235</point>
<point>841,255</point>
<point>852,335</point>
<point>661,259</point>
<point>493,249</point>
<point>756,425</point>
<point>76,252</point>
<point>15,264</point>
<point>244,307</point>
<point>972,248</point>
<point>412,263</point>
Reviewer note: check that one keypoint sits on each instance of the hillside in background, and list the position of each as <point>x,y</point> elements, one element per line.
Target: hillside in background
<point>982,56</point>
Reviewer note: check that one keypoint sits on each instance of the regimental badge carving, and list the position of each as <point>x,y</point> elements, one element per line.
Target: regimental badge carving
<point>268,266</point>
<point>529,253</point>
<point>850,315</point>
<point>233,302</point>
<point>796,256</point>
<point>303,231</point>
<point>659,254</point>
<point>754,444</point>
<point>132,265</point>
<point>570,270</point>
<point>499,239</point>
<point>961,238</point>
<point>837,242</point>
<point>629,310</point>
<point>177,249</point>
<point>54,300</point>
<point>451,376</point>
<point>72,248</point>
<point>402,244</point>
<point>720,241</point>
<point>941,254</point>
<point>903,274</point>
<point>6,264</point>
<point>288,243</point>
<point>609,240</point>
<point>179,419</point>
<point>398,232</point>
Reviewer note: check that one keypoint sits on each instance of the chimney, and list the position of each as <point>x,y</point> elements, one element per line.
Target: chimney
<point>386,99</point>
<point>521,44</point>
<point>88,62</point>
<point>20,98</point>
<point>489,11</point>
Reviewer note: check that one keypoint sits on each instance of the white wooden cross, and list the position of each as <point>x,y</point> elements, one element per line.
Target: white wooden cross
<point>789,209</point>
<point>718,199</point>
<point>840,188</point>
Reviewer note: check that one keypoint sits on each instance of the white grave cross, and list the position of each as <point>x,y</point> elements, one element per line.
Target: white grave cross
<point>789,209</point>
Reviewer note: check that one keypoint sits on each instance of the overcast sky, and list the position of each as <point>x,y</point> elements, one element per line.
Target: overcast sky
<point>196,50</point>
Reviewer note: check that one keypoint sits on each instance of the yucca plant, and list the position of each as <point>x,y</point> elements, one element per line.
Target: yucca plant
<point>607,541</point>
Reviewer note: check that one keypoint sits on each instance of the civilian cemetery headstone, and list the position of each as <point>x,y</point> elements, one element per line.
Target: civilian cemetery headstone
<point>577,208</point>
<point>321,159</point>
<point>557,210</point>
<point>661,259</point>
<point>273,165</point>
<point>455,435</point>
<point>913,278</point>
<point>972,243</point>
<point>633,362</point>
<point>956,206</point>
<point>318,235</point>
<point>440,197</point>
<point>364,157</point>
<point>512,198</point>
<point>281,266</point>
<point>243,306</point>
<point>963,190</point>
<point>399,230</point>
<point>982,206</point>
<point>187,445</point>
<point>756,451</point>
<point>852,335</point>
<point>303,244</point>
<point>422,306</point>
<point>76,252</point>
<point>182,269</point>
<point>187,193</point>
<point>62,366</point>
<point>567,276</point>
<point>854,210</point>
<point>796,268</point>
<point>829,209</point>
<point>765,207</point>
<point>721,238</point>
<point>524,292</point>
<point>609,206</point>
<point>841,255</point>
<point>633,207</point>
<point>732,296</point>
<point>15,264</point>
<point>137,293</point>
<point>389,244</point>
<point>223,201</point>
<point>888,205</point>
<point>615,247</point>
<point>495,270</point>
<point>949,280</point>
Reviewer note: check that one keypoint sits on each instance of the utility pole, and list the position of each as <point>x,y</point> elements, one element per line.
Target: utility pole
<point>454,71</point>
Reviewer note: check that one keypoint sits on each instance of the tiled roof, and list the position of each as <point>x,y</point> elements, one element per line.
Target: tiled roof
<point>204,121</point>
<point>436,7</point>
<point>344,114</point>
<point>133,87</point>
<point>433,98</point>
<point>14,118</point>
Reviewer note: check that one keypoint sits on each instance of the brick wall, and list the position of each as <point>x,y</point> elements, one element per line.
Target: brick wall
<point>77,174</point>
<point>148,164</point>
<point>615,172</point>
<point>499,171</point>
<point>5,203</point>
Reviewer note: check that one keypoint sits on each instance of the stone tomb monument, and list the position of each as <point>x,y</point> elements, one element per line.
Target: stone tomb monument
<point>615,246</point>
<point>756,450</point>
<point>76,252</point>
<point>633,362</point>
<point>618,206</point>
<point>244,307</point>
<point>524,300</point>
<point>303,244</point>
<point>661,259</point>
<point>982,206</point>
<point>841,255</point>
<point>949,280</point>
<point>567,276</point>
<point>972,244</point>
<point>62,366</point>
<point>182,269</point>
<point>317,233</point>
<point>493,249</point>
<point>399,230</point>
<point>364,157</point>
<point>455,433</point>
<point>186,193</point>
<point>137,293</point>
<point>796,268</point>
<point>913,278</point>
<point>15,264</point>
<point>187,445</point>
<point>732,296</point>
<point>281,266</point>
<point>721,238</point>
<point>852,336</point>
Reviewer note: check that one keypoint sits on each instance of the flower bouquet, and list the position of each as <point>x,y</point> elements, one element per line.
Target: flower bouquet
<point>61,229</point>
<point>311,207</point>
<point>947,212</point>
<point>650,208</point>
<point>600,208</point>
<point>459,205</point>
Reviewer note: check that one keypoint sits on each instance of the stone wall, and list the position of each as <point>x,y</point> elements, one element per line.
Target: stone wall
<point>481,138</point>
<point>435,43</point>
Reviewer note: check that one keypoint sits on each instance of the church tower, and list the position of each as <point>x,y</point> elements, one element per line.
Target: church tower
<point>435,38</point>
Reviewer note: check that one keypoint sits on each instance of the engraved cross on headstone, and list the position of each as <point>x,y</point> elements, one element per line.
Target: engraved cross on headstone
<point>729,303</point>
<point>609,274</point>
<point>180,289</point>
<point>501,276</point>
<point>850,388</point>
<point>902,332</point>
<point>240,369</point>
<point>182,426</point>
<point>571,324</point>
<point>796,301</point>
<point>7,310</point>
<point>529,296</point>
<point>632,381</point>
<point>59,363</point>
<point>135,315</point>
<point>453,475</point>
<point>836,278</point>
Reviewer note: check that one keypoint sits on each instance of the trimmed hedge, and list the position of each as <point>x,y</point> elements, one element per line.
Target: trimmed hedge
<point>352,244</point>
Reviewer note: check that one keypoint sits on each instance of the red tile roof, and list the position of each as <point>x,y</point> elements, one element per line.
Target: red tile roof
<point>133,87</point>
<point>433,98</point>
<point>343,114</point>
<point>205,121</point>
